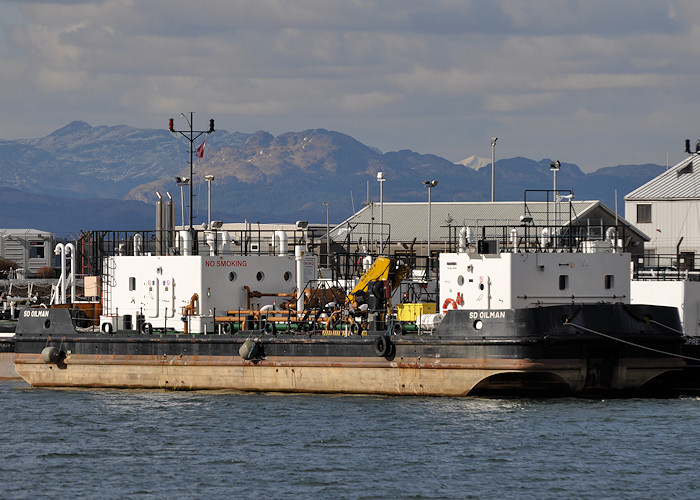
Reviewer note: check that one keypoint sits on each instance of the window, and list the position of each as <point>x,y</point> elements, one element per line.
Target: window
<point>563,282</point>
<point>644,213</point>
<point>36,250</point>
<point>132,284</point>
<point>609,281</point>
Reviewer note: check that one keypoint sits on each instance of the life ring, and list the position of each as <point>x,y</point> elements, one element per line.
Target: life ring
<point>447,303</point>
<point>147,329</point>
<point>107,328</point>
<point>398,328</point>
<point>382,346</point>
<point>271,327</point>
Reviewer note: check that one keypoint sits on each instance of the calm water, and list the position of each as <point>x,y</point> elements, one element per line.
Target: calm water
<point>153,444</point>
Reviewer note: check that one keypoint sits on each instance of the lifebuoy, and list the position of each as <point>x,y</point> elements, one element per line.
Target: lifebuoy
<point>382,346</point>
<point>271,327</point>
<point>107,328</point>
<point>147,329</point>
<point>398,328</point>
<point>447,303</point>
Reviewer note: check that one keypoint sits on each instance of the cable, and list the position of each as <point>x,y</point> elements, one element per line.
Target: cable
<point>632,343</point>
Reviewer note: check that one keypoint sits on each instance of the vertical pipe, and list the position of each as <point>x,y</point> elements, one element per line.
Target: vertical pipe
<point>70,249</point>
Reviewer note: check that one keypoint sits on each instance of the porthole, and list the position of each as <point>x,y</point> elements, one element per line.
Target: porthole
<point>460,280</point>
<point>481,286</point>
<point>47,324</point>
<point>478,324</point>
<point>260,276</point>
<point>232,276</point>
<point>287,276</point>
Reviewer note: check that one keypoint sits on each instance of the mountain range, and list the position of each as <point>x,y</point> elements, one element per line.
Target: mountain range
<point>81,177</point>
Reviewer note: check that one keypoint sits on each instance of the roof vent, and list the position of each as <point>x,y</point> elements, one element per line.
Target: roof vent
<point>687,146</point>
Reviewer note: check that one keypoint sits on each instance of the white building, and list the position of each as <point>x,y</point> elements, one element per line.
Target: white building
<point>31,249</point>
<point>667,209</point>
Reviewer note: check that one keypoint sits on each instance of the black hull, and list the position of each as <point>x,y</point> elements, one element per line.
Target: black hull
<point>558,350</point>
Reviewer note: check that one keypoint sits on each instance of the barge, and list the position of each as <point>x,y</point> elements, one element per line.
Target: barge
<point>522,310</point>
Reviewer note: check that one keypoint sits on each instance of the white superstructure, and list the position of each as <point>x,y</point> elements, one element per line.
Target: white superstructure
<point>160,288</point>
<point>512,280</point>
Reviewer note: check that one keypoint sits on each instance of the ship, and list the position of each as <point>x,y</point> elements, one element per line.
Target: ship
<point>521,309</point>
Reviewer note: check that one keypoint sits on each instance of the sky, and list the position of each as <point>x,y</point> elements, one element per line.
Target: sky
<point>596,83</point>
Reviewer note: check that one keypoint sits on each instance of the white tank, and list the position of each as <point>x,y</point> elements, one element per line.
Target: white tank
<point>429,321</point>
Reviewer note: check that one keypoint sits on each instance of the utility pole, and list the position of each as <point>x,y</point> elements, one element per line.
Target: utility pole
<point>191,135</point>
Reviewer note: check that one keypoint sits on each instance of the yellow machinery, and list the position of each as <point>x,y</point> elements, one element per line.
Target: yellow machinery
<point>383,269</point>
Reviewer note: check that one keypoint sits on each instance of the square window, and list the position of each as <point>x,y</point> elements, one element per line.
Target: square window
<point>36,250</point>
<point>644,213</point>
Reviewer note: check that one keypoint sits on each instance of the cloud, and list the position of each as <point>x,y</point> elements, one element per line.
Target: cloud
<point>438,77</point>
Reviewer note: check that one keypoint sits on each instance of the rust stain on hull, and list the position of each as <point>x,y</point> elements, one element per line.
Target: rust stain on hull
<point>357,375</point>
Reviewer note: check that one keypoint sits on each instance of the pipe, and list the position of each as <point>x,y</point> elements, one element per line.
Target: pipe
<point>70,248</point>
<point>211,242</point>
<point>189,310</point>
<point>281,243</point>
<point>138,243</point>
<point>159,224</point>
<point>225,245</point>
<point>465,238</point>
<point>299,257</point>
<point>60,250</point>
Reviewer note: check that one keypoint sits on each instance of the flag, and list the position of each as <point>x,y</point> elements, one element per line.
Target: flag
<point>200,150</point>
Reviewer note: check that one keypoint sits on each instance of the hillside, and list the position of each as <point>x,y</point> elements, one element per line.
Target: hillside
<point>84,177</point>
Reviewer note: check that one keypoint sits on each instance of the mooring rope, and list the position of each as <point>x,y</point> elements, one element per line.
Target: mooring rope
<point>632,343</point>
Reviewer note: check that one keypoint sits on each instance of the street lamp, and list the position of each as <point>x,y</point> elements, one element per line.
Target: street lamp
<point>209,179</point>
<point>554,167</point>
<point>328,234</point>
<point>381,179</point>
<point>493,168</point>
<point>182,182</point>
<point>430,185</point>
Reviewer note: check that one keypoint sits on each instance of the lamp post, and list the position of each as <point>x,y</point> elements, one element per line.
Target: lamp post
<point>182,182</point>
<point>381,179</point>
<point>209,179</point>
<point>430,185</point>
<point>191,135</point>
<point>328,234</point>
<point>554,167</point>
<point>493,168</point>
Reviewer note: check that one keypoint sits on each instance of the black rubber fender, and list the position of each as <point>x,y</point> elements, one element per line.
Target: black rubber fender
<point>107,328</point>
<point>147,329</point>
<point>382,346</point>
